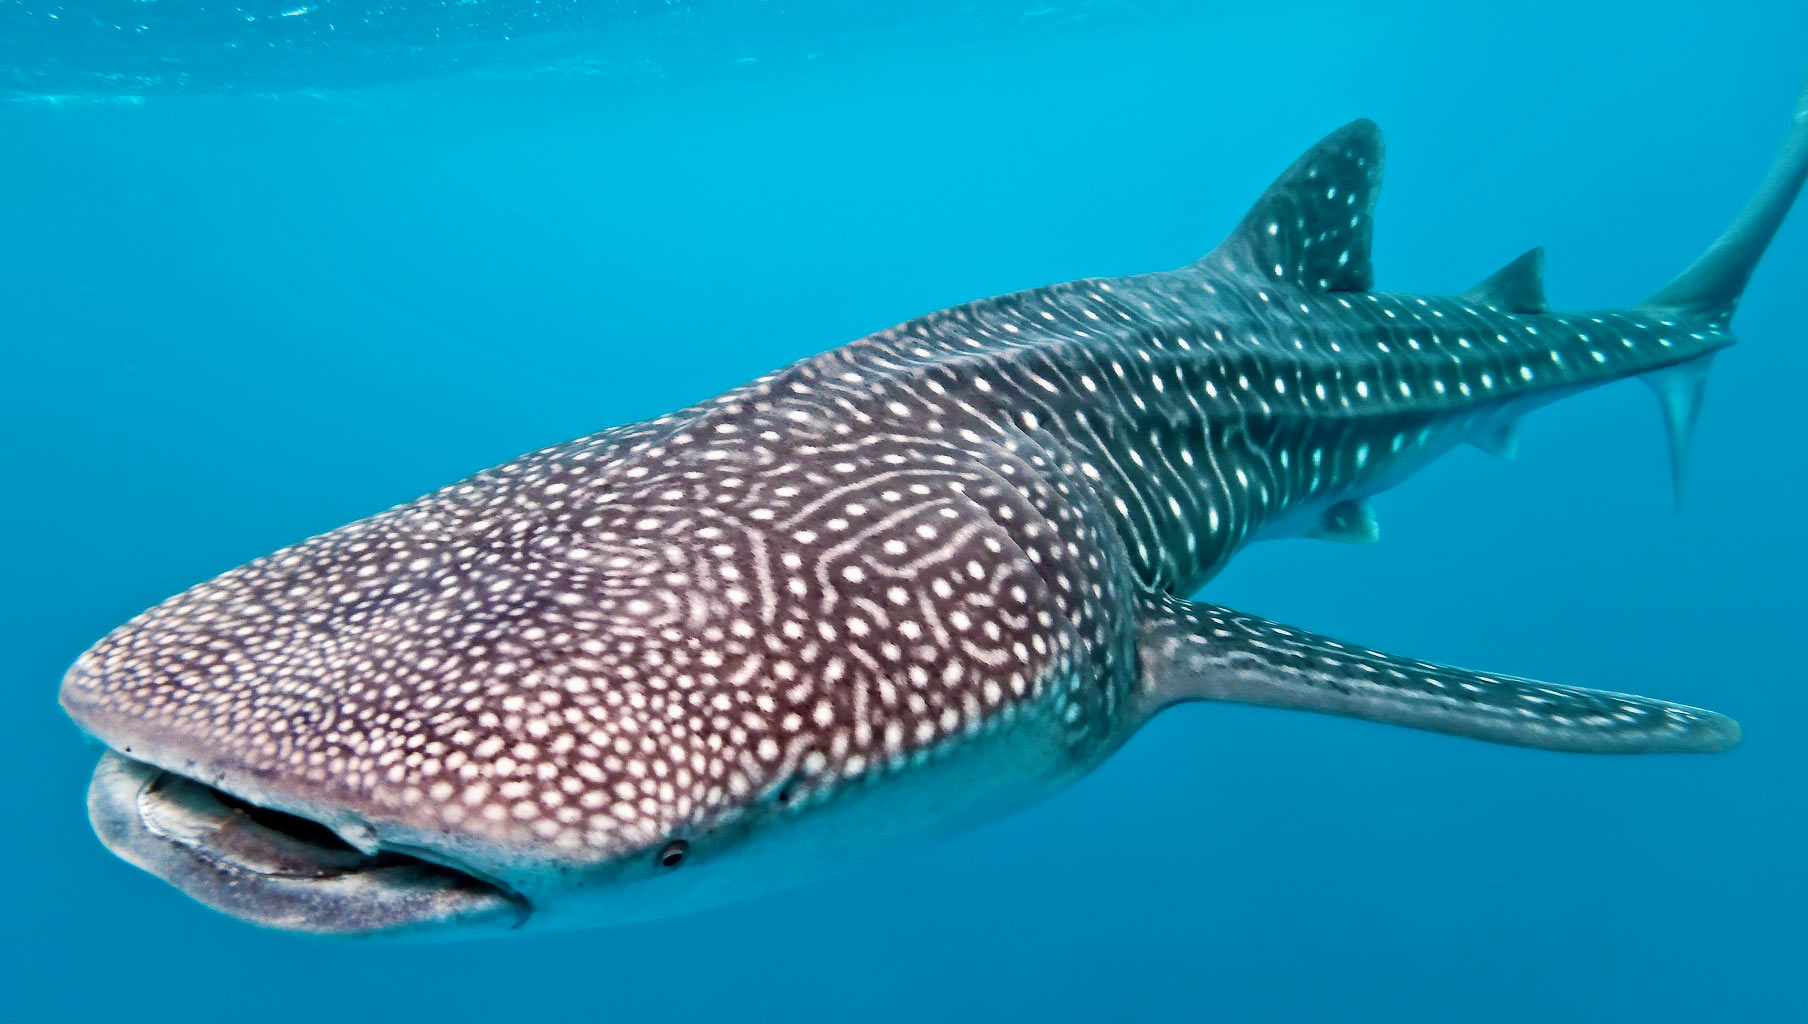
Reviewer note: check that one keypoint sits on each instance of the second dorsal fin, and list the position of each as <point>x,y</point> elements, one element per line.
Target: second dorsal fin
<point>1517,287</point>
<point>1314,225</point>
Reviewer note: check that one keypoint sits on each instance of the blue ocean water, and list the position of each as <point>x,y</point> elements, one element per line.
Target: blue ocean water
<point>250,299</point>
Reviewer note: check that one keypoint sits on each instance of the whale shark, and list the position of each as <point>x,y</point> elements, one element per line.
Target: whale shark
<point>891,590</point>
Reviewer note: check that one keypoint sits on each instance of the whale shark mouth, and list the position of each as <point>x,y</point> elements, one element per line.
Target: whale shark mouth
<point>280,870</point>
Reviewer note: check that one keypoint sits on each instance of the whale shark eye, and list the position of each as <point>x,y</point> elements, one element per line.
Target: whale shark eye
<point>673,853</point>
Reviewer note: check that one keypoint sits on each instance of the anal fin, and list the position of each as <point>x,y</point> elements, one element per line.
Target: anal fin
<point>1499,439</point>
<point>1351,521</point>
<point>1196,651</point>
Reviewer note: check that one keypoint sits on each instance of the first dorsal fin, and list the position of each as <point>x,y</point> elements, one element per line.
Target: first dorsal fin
<point>1314,225</point>
<point>1517,287</point>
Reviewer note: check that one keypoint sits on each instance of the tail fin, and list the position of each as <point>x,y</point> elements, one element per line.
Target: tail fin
<point>1711,286</point>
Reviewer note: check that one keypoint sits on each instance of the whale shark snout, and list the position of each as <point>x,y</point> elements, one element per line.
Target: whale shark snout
<point>279,870</point>
<point>270,847</point>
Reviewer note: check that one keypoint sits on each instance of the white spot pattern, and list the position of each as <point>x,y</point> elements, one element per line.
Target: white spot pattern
<point>847,567</point>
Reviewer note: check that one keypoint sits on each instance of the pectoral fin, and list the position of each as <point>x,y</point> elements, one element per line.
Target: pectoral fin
<point>1203,652</point>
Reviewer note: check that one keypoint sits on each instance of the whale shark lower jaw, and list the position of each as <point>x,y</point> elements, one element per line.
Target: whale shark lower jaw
<point>887,591</point>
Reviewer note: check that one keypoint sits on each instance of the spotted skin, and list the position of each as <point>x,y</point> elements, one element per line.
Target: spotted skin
<point>902,585</point>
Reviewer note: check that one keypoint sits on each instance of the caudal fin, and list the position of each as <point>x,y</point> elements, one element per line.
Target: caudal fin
<point>1711,286</point>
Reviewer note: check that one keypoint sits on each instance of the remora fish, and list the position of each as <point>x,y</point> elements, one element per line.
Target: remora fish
<point>892,589</point>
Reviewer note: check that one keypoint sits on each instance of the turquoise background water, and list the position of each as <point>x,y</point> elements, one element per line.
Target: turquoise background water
<point>257,299</point>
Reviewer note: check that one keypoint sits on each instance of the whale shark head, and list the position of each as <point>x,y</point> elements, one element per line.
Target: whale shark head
<point>594,684</point>
<point>459,712</point>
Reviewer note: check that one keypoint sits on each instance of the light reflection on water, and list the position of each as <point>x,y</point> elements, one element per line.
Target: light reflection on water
<point>101,49</point>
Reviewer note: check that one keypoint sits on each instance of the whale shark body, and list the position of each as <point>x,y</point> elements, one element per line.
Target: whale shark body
<point>890,590</point>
